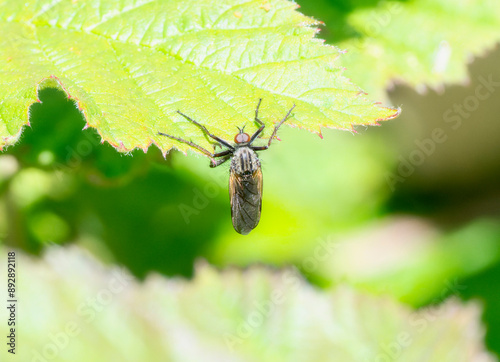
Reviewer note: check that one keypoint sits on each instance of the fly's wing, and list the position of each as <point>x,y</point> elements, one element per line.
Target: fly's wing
<point>246,200</point>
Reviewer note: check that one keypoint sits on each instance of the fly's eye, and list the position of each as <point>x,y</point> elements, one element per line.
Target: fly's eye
<point>241,138</point>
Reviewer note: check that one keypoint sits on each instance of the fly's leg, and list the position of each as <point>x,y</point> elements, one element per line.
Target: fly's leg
<point>220,161</point>
<point>276,127</point>
<point>205,130</point>
<point>262,125</point>
<point>279,125</point>
<point>226,154</point>
<point>189,143</point>
<point>222,154</point>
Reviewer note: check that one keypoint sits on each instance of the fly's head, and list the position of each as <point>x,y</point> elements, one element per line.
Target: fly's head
<point>241,138</point>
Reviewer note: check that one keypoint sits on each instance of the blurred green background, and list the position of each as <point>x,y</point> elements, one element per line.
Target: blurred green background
<point>391,211</point>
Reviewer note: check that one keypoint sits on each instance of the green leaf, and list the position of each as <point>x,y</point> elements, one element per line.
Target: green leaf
<point>130,65</point>
<point>94,313</point>
<point>421,42</point>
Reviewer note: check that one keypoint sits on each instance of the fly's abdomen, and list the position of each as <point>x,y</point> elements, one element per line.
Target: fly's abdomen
<point>246,200</point>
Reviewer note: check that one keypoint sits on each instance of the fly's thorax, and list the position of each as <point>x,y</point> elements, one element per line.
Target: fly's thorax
<point>244,161</point>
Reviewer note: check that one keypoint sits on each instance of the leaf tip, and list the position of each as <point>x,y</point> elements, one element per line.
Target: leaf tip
<point>121,147</point>
<point>353,129</point>
<point>395,113</point>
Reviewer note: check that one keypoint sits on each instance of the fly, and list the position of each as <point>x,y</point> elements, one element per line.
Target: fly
<point>245,178</point>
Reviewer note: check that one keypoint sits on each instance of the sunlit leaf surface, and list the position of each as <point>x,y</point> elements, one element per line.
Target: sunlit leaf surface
<point>130,65</point>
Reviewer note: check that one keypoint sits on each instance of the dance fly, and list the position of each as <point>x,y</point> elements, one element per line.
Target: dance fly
<point>245,178</point>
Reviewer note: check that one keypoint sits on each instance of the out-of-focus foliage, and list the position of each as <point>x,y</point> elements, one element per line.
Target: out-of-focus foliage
<point>130,66</point>
<point>233,315</point>
<point>419,42</point>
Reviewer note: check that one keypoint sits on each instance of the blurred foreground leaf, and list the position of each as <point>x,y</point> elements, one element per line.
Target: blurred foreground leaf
<point>78,310</point>
<point>131,65</point>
